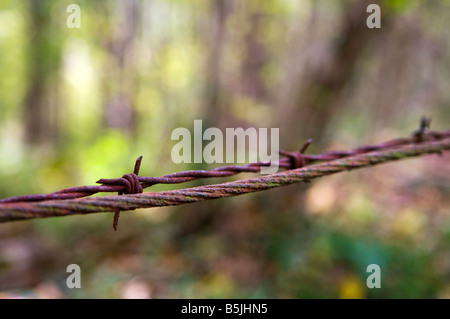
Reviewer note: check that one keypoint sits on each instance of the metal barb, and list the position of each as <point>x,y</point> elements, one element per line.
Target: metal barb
<point>132,186</point>
<point>422,133</point>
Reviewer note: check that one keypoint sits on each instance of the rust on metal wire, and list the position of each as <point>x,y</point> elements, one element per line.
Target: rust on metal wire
<point>69,201</point>
<point>134,184</point>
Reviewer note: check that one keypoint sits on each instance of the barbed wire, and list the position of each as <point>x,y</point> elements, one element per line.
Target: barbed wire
<point>23,207</point>
<point>112,203</point>
<point>131,183</point>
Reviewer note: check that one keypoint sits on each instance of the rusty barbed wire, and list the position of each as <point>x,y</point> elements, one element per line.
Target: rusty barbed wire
<point>113,203</point>
<point>131,183</point>
<point>134,184</point>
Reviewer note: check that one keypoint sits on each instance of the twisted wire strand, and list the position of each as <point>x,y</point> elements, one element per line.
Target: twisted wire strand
<point>292,160</point>
<point>27,210</point>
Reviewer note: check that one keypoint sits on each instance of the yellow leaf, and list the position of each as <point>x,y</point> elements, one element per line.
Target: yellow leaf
<point>352,288</point>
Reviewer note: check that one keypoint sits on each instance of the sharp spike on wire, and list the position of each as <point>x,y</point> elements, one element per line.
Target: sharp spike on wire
<point>133,188</point>
<point>116,220</point>
<point>137,166</point>
<point>305,146</point>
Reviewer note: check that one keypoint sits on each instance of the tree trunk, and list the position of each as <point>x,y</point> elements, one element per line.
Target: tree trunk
<point>41,103</point>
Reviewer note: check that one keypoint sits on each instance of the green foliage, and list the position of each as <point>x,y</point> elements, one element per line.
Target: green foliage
<point>115,90</point>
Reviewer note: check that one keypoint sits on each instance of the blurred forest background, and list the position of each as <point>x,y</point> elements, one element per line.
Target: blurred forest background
<point>77,105</point>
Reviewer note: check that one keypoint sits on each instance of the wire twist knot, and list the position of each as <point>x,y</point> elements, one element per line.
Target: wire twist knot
<point>132,186</point>
<point>296,158</point>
